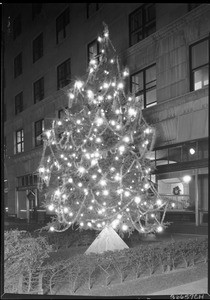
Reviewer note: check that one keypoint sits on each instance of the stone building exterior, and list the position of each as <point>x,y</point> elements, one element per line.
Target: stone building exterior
<point>47,46</point>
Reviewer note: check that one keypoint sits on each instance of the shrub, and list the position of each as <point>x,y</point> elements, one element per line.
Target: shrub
<point>23,259</point>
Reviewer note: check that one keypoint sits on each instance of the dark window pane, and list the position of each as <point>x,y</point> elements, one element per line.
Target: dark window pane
<point>17,27</point>
<point>38,48</point>
<point>161,157</point>
<point>63,74</point>
<point>39,128</point>
<point>19,103</point>
<point>18,65</point>
<point>36,9</point>
<point>174,155</point>
<point>61,23</point>
<point>203,150</point>
<point>92,8</point>
<point>39,90</point>
<point>142,23</point>
<point>200,54</point>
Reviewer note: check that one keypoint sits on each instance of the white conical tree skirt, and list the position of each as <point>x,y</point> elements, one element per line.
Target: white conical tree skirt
<point>107,240</point>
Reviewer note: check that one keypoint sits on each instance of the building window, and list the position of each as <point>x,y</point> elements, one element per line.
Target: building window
<point>19,141</point>
<point>18,65</point>
<point>17,28</point>
<point>143,85</point>
<point>39,90</point>
<point>142,23</point>
<point>5,146</point>
<point>199,65</point>
<point>61,23</point>
<point>191,6</point>
<point>36,9</point>
<point>19,103</point>
<point>94,50</point>
<point>5,112</point>
<point>63,74</point>
<point>27,180</point>
<point>38,48</point>
<point>39,128</point>
<point>92,8</point>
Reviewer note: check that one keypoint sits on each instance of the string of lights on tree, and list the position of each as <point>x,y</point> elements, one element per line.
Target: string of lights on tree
<point>94,169</point>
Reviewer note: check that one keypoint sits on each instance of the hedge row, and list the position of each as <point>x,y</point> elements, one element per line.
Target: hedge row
<point>139,261</point>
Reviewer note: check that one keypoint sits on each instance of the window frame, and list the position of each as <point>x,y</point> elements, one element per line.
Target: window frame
<point>64,19</point>
<point>145,89</point>
<point>201,66</point>
<point>143,11</point>
<point>38,47</point>
<point>21,142</point>
<point>17,27</point>
<point>18,65</point>
<point>36,9</point>
<point>37,141</point>
<point>97,56</point>
<point>38,92</point>
<point>19,103</point>
<point>97,7</point>
<point>64,78</point>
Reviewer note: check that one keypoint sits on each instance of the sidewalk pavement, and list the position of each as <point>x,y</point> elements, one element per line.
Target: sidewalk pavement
<point>195,287</point>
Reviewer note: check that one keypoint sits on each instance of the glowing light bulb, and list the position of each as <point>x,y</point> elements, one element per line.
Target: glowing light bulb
<point>52,228</point>
<point>90,207</point>
<point>48,134</point>
<point>98,140</point>
<point>112,61</point>
<point>146,186</point>
<point>81,169</point>
<point>122,148</point>
<point>78,121</point>
<point>192,151</point>
<point>57,193</point>
<point>41,169</point>
<point>124,227</point>
<point>66,210</point>
<point>89,224</point>
<point>51,207</point>
<point>126,73</point>
<point>78,84</point>
<point>118,127</point>
<point>113,84</point>
<point>126,139</point>
<point>186,178</point>
<point>70,180</point>
<point>152,215</point>
<point>71,96</point>
<point>105,85</point>
<point>129,98</point>
<point>127,193</point>
<point>120,85</point>
<point>103,182</point>
<point>100,98</point>
<point>137,199</point>
<point>132,111</point>
<point>99,39</point>
<point>94,176</point>
<point>115,223</point>
<point>159,229</point>
<point>159,202</point>
<point>90,94</point>
<point>112,122</point>
<point>80,184</point>
<point>99,121</point>
<point>81,224</point>
<point>59,123</point>
<point>93,62</point>
<point>105,192</point>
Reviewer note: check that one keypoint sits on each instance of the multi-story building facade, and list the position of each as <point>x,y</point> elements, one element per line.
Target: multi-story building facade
<point>166,48</point>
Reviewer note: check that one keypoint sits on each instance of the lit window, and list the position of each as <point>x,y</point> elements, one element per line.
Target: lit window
<point>39,128</point>
<point>143,84</point>
<point>199,64</point>
<point>19,145</point>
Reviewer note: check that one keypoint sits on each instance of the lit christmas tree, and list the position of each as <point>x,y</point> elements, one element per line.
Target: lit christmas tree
<point>95,166</point>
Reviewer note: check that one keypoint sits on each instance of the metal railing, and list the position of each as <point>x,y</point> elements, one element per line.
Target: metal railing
<point>177,202</point>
